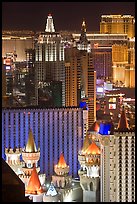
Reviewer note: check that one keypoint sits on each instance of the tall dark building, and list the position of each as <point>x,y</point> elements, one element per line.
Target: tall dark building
<point>50,94</point>
<point>30,77</point>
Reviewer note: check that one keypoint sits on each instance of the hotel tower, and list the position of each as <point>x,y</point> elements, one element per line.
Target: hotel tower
<point>49,58</point>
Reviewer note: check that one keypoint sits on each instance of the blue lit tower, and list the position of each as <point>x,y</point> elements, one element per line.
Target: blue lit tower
<point>49,59</point>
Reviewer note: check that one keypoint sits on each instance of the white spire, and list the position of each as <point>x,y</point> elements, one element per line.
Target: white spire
<point>50,25</point>
<point>51,191</point>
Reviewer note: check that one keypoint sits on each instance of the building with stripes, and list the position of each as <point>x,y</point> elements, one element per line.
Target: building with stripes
<point>54,130</point>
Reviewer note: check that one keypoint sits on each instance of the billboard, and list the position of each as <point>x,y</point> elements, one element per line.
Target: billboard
<point>112,106</point>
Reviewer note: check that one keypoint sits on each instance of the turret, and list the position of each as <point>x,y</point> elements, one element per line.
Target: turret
<point>61,168</point>
<point>89,173</point>
<point>13,159</point>
<point>13,155</point>
<point>52,195</point>
<point>30,155</point>
<point>81,155</point>
<point>61,179</point>
<point>34,187</point>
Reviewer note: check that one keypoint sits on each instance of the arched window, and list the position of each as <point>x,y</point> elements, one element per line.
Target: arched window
<point>91,186</point>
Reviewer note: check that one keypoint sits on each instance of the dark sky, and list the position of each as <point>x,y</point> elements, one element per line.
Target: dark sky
<point>66,15</point>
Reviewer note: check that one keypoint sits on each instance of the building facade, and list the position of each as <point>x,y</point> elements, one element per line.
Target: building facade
<point>117,160</point>
<point>118,24</point>
<point>49,58</point>
<point>80,80</point>
<point>54,130</point>
<point>17,41</point>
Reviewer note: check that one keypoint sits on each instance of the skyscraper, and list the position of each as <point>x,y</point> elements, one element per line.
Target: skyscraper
<point>118,24</point>
<point>102,61</point>
<point>117,160</point>
<point>49,58</point>
<point>83,43</point>
<point>81,80</point>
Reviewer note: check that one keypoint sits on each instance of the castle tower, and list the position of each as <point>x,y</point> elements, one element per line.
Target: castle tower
<point>81,156</point>
<point>62,180</point>
<point>13,159</point>
<point>49,24</point>
<point>94,127</point>
<point>30,155</point>
<point>90,178</point>
<point>93,132</point>
<point>34,188</point>
<point>52,195</point>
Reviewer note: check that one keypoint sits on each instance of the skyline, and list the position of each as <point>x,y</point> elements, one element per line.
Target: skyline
<point>33,15</point>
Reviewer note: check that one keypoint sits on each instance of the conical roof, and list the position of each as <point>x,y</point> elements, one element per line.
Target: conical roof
<point>31,147</point>
<point>93,149</point>
<point>62,162</point>
<point>95,127</point>
<point>34,186</point>
<point>51,191</point>
<point>86,143</point>
<point>123,124</point>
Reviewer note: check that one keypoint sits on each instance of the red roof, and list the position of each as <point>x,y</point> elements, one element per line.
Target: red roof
<point>94,127</point>
<point>62,162</point>
<point>34,186</point>
<point>93,149</point>
<point>123,124</point>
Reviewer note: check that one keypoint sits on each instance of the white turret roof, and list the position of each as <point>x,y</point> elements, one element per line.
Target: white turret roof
<point>51,191</point>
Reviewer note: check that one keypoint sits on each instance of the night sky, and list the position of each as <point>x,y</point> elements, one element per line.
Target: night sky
<point>66,15</point>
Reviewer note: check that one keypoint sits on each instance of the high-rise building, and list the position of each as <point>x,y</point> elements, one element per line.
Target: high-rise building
<point>4,97</point>
<point>30,77</point>
<point>125,161</point>
<point>49,58</point>
<point>130,71</point>
<point>80,80</point>
<point>50,94</point>
<point>17,41</point>
<point>102,61</point>
<point>54,130</point>
<point>83,43</point>
<point>8,72</point>
<point>117,160</point>
<point>120,61</point>
<point>118,24</point>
